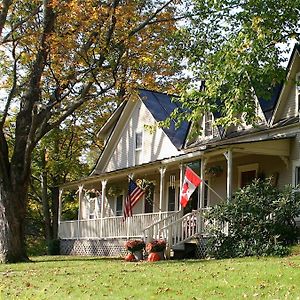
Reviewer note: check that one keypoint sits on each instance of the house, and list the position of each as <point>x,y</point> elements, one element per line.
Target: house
<point>136,147</point>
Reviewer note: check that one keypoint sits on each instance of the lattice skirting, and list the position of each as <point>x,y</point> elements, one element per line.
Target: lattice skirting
<point>109,247</point>
<point>201,249</point>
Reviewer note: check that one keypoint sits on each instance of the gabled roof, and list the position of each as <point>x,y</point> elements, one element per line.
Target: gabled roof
<point>161,106</point>
<point>268,106</point>
<point>295,52</point>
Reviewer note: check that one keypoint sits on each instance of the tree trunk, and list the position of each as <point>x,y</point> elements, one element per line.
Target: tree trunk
<point>55,202</point>
<point>13,201</point>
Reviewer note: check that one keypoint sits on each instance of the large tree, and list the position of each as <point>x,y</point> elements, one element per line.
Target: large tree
<point>238,47</point>
<point>56,56</point>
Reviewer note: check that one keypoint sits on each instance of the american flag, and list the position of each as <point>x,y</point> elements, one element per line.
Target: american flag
<point>133,196</point>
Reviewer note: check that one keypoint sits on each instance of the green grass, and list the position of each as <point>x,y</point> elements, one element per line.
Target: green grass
<point>61,277</point>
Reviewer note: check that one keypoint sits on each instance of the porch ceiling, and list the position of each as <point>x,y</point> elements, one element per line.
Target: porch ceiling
<point>276,148</point>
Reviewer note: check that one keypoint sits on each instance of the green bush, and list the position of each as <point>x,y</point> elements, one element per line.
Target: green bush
<point>260,221</point>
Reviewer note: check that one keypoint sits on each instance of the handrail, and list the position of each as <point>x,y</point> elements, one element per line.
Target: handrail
<point>162,220</point>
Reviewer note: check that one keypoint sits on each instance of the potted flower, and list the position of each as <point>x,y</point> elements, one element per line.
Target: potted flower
<point>135,247</point>
<point>156,250</point>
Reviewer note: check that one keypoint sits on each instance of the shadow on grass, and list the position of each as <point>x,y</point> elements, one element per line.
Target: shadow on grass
<point>57,258</point>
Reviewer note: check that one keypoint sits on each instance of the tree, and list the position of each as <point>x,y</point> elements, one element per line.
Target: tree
<point>238,49</point>
<point>56,56</point>
<point>63,155</point>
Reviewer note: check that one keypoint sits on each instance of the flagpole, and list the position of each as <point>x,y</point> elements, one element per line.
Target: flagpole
<point>212,190</point>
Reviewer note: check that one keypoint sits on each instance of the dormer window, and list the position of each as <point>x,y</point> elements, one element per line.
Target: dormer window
<point>138,147</point>
<point>208,124</point>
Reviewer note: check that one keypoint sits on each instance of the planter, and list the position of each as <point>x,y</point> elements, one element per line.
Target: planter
<point>156,256</point>
<point>138,255</point>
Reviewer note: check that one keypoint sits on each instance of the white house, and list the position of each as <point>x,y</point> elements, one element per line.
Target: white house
<point>225,159</point>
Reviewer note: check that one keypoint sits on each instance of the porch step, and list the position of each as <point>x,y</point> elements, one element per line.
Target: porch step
<point>195,247</point>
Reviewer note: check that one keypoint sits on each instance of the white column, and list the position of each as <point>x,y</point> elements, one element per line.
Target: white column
<point>202,185</point>
<point>80,198</point>
<point>228,156</point>
<point>162,171</point>
<point>181,176</point>
<point>103,197</point>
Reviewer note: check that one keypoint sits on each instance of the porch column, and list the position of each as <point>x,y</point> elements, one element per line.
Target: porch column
<point>181,176</point>
<point>103,192</point>
<point>162,171</point>
<point>202,185</point>
<point>228,156</point>
<point>59,209</point>
<point>80,197</point>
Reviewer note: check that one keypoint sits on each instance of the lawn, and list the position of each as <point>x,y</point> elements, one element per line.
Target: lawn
<point>61,277</point>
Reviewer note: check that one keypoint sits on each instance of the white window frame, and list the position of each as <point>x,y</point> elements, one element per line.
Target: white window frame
<point>208,193</point>
<point>295,164</point>
<point>246,168</point>
<point>205,115</point>
<point>140,149</point>
<point>297,92</point>
<point>177,195</point>
<point>116,200</point>
<point>144,202</point>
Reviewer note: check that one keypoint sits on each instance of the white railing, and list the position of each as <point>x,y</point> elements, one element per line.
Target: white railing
<point>110,227</point>
<point>153,231</point>
<point>182,229</point>
<point>177,229</point>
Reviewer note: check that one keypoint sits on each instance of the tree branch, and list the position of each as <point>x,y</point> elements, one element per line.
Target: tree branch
<point>3,14</point>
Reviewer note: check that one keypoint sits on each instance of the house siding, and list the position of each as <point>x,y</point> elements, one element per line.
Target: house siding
<point>156,145</point>
<point>287,107</point>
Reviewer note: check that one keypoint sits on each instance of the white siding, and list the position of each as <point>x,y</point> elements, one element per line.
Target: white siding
<point>289,109</point>
<point>156,145</point>
<point>287,106</point>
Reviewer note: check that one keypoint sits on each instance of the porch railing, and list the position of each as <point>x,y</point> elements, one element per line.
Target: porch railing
<point>176,229</point>
<point>110,227</point>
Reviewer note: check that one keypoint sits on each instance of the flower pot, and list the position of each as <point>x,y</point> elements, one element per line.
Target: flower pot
<point>138,255</point>
<point>154,256</point>
<point>129,257</point>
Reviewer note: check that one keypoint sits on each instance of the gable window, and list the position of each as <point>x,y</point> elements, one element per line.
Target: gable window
<point>208,124</point>
<point>247,174</point>
<point>119,205</point>
<point>138,147</point>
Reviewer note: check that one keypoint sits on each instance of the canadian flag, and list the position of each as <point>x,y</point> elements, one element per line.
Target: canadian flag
<point>191,181</point>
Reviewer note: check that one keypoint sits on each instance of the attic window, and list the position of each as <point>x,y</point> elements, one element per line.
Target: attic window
<point>138,140</point>
<point>208,124</point>
<point>138,147</point>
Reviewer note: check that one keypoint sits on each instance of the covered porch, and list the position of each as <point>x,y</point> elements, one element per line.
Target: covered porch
<point>223,169</point>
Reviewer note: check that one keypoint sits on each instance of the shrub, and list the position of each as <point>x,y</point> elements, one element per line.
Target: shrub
<point>260,221</point>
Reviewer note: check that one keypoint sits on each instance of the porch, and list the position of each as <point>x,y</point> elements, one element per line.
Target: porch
<point>99,217</point>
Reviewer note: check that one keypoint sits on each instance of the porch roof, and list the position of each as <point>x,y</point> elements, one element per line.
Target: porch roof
<point>277,146</point>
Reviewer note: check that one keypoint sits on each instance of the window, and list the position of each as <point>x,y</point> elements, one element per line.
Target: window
<point>171,198</point>
<point>247,173</point>
<point>149,200</point>
<point>296,172</point>
<point>205,198</point>
<point>119,205</point>
<point>208,124</point>
<point>297,175</point>
<point>138,147</point>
